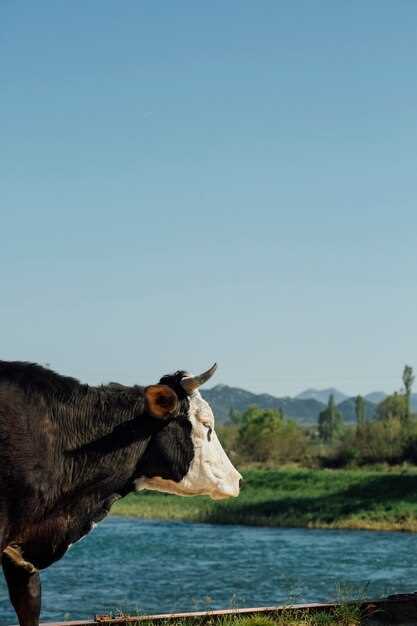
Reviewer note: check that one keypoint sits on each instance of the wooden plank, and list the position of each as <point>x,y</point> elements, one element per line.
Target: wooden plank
<point>212,615</point>
<point>398,607</point>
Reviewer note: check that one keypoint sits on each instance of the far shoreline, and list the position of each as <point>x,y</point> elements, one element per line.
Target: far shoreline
<point>370,529</point>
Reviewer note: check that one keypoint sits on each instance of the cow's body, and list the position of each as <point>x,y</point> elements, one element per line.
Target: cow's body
<point>68,451</point>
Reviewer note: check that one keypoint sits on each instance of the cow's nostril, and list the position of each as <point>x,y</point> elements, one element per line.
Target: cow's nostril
<point>241,483</point>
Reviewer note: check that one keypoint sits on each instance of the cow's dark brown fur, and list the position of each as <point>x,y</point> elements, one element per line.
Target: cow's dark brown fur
<point>67,452</point>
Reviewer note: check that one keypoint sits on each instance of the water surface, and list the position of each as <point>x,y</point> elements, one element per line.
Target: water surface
<point>150,566</point>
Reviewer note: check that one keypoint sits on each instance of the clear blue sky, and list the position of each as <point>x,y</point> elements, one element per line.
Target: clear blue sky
<point>187,182</point>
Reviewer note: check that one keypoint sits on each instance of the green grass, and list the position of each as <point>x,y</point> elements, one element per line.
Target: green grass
<point>368,499</point>
<point>343,615</point>
<point>340,616</point>
<point>347,617</point>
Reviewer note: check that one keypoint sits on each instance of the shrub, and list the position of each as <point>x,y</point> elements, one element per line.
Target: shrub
<point>265,437</point>
<point>381,441</point>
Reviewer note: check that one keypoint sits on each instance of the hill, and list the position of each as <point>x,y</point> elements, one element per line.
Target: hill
<point>323,395</point>
<point>347,409</point>
<point>223,398</point>
<point>375,396</point>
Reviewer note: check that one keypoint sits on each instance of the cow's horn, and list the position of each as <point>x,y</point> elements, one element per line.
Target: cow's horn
<point>190,383</point>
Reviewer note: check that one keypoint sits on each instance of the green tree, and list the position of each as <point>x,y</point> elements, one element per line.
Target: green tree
<point>392,407</point>
<point>408,381</point>
<point>257,431</point>
<point>330,421</point>
<point>265,437</point>
<point>360,411</point>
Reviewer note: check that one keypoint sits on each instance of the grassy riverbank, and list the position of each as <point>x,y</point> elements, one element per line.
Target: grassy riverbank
<point>367,499</point>
<point>341,616</point>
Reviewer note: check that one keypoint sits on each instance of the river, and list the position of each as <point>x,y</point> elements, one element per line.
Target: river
<point>150,566</point>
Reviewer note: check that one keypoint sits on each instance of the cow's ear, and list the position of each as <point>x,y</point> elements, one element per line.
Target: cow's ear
<point>160,401</point>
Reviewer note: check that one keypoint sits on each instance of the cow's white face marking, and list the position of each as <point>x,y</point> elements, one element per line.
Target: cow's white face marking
<point>211,473</point>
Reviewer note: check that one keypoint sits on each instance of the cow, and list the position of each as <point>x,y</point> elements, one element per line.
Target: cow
<point>68,451</point>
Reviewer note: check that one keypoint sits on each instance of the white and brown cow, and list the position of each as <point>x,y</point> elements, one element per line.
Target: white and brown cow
<point>68,451</point>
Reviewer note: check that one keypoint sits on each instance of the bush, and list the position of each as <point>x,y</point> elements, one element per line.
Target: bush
<point>382,441</point>
<point>344,453</point>
<point>265,437</point>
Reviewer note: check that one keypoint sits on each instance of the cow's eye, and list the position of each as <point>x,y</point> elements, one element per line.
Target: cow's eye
<point>209,431</point>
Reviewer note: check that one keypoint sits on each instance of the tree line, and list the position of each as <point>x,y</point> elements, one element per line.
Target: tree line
<point>267,437</point>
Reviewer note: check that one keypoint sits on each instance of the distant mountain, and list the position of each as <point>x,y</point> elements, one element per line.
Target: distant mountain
<point>347,409</point>
<point>223,398</point>
<point>375,396</point>
<point>323,395</point>
<point>304,408</point>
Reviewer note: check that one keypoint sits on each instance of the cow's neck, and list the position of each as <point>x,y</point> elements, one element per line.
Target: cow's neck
<point>102,436</point>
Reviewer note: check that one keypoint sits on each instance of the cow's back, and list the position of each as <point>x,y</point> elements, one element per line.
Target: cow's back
<point>28,431</point>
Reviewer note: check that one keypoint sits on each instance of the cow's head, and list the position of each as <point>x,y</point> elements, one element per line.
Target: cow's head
<point>185,456</point>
